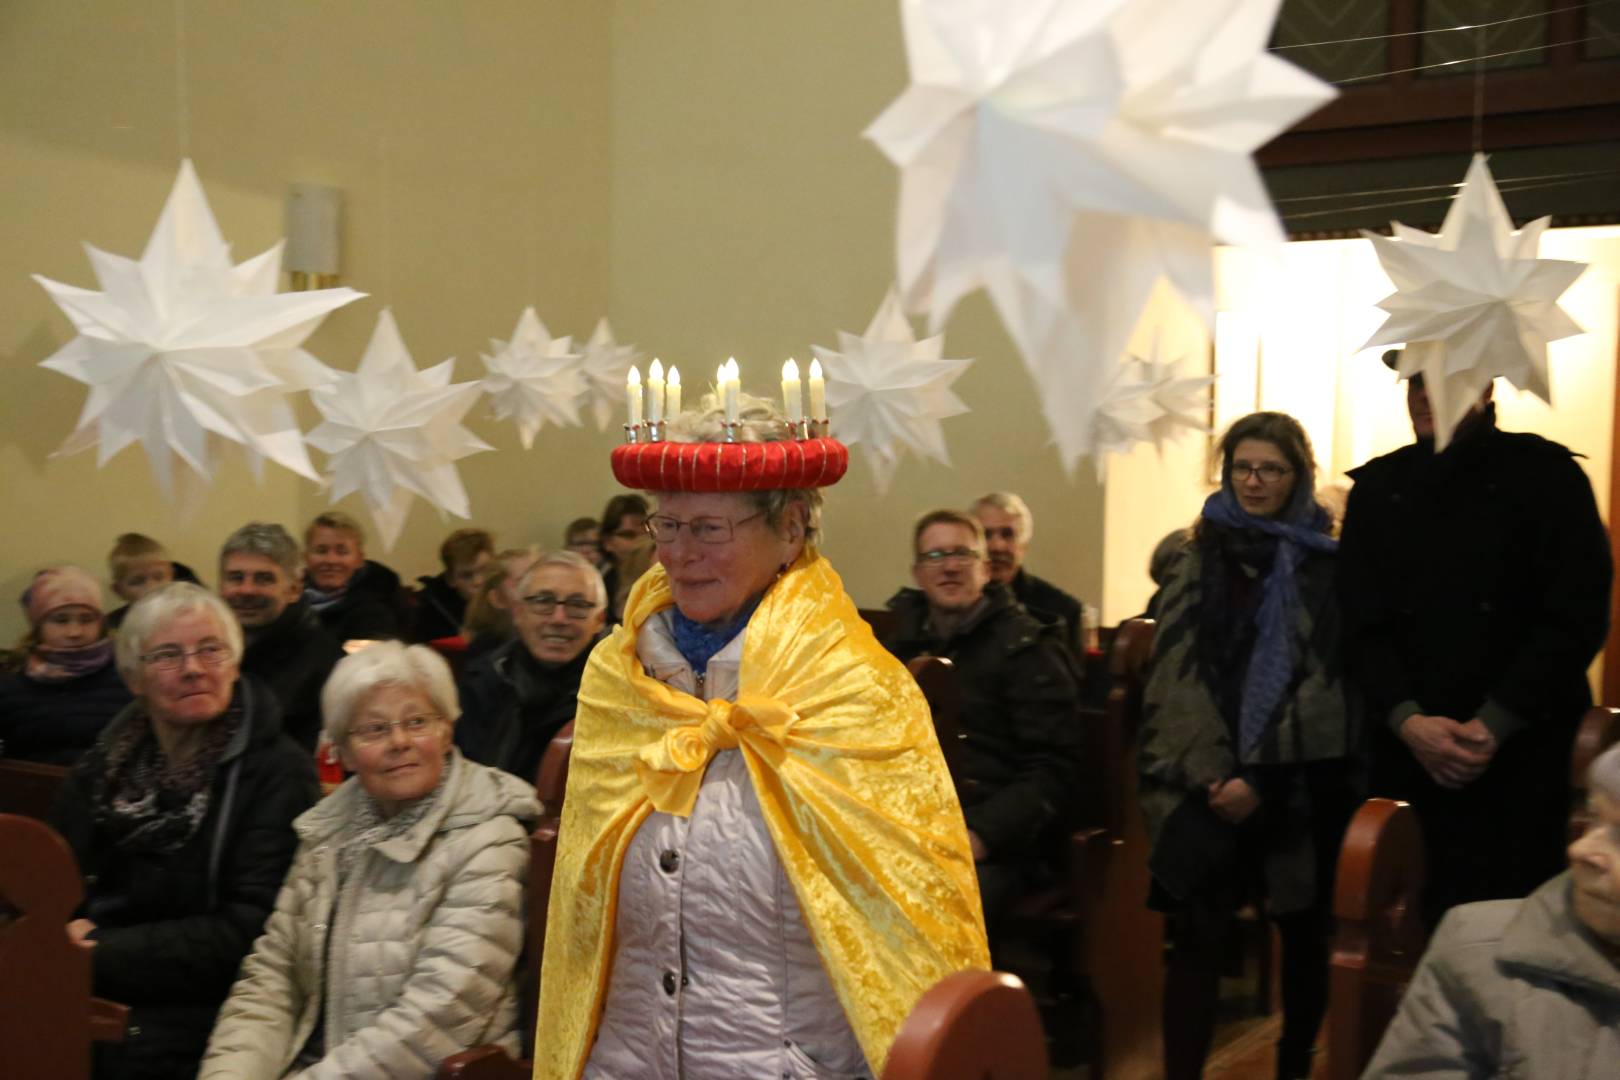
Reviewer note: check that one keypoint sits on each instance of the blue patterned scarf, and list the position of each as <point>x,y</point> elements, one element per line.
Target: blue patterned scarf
<point>698,644</point>
<point>1271,664</point>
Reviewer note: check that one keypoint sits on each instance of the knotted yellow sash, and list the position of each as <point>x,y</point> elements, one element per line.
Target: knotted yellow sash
<point>841,749</point>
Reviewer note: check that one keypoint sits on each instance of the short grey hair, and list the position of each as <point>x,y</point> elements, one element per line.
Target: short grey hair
<point>269,540</point>
<point>1013,506</point>
<point>758,421</point>
<point>1604,774</point>
<point>154,611</point>
<point>573,560</point>
<point>387,663</point>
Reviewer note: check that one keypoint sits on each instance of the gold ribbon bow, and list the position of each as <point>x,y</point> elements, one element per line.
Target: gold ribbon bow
<point>671,769</point>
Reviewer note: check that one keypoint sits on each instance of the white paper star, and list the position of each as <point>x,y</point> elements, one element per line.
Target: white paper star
<point>182,349</point>
<point>1067,155</point>
<point>1473,303</point>
<point>1183,402</point>
<point>890,391</point>
<point>391,430</point>
<point>1126,412</point>
<point>604,366</point>
<point>533,378</point>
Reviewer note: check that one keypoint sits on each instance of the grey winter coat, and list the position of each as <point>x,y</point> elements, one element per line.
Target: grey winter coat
<point>1508,988</point>
<point>411,964</point>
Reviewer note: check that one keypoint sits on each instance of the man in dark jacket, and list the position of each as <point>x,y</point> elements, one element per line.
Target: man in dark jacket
<point>515,698</point>
<point>1020,700</point>
<point>287,647</point>
<point>1475,591</point>
<point>1008,526</point>
<point>355,597</point>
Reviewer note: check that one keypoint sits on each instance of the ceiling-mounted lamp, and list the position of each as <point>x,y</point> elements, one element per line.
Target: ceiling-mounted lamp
<point>311,255</point>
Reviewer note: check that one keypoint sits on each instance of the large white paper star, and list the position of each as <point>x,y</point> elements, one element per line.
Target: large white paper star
<point>182,349</point>
<point>1067,155</point>
<point>391,431</point>
<point>604,365</point>
<point>1473,303</point>
<point>533,378</point>
<point>889,391</point>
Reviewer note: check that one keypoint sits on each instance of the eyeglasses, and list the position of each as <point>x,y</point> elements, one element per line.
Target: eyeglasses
<point>373,732</point>
<point>705,530</point>
<point>545,603</point>
<point>173,657</point>
<point>948,557</point>
<point>1269,472</point>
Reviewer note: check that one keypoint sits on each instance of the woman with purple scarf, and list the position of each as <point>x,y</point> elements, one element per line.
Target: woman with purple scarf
<point>1246,742</point>
<point>54,706</point>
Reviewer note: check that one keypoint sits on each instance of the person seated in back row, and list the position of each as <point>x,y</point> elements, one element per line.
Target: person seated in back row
<point>1008,527</point>
<point>516,698</point>
<point>488,623</point>
<point>139,564</point>
<point>1524,987</point>
<point>287,647</point>
<point>442,599</point>
<point>1020,701</point>
<point>354,597</point>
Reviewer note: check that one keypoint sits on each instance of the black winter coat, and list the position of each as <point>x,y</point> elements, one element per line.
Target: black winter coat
<point>511,707</point>
<point>439,609</point>
<point>293,656</point>
<point>1020,715</point>
<point>172,929</point>
<point>1475,583</point>
<point>1051,604</point>
<point>56,722</point>
<point>371,609</point>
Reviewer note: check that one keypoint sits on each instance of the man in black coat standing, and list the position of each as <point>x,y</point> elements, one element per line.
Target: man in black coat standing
<point>1020,701</point>
<point>1475,589</point>
<point>1008,527</point>
<point>287,647</point>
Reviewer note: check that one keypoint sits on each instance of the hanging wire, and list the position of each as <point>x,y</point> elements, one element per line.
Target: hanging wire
<point>1467,60</point>
<point>1447,29</point>
<point>1450,186</point>
<point>1575,178</point>
<point>1479,93</point>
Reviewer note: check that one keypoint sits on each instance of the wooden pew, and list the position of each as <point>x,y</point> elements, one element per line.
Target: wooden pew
<point>47,1017</point>
<point>1379,936</point>
<point>28,788</point>
<point>973,1025</point>
<point>936,677</point>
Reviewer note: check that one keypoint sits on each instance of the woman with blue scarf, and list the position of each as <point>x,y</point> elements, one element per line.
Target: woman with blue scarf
<point>1246,741</point>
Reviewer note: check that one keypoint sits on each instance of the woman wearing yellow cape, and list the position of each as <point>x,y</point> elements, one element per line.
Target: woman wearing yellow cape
<point>762,863</point>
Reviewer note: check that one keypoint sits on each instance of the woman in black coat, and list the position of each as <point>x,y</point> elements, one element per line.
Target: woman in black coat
<point>54,706</point>
<point>180,817</point>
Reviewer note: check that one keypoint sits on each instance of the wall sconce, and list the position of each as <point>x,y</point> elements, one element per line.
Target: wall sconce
<point>311,254</point>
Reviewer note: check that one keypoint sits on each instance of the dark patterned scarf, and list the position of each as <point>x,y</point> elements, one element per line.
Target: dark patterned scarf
<point>143,800</point>
<point>48,665</point>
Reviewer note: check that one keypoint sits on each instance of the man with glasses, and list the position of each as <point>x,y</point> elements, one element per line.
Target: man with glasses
<point>1474,584</point>
<point>1020,702</point>
<point>516,698</point>
<point>1008,527</point>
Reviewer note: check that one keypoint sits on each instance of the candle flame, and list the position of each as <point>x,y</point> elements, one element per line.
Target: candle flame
<point>656,371</point>
<point>674,375</point>
<point>635,377</point>
<point>815,369</point>
<point>790,370</point>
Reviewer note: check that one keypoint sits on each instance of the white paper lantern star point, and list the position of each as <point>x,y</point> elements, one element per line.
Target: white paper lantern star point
<point>533,379</point>
<point>604,365</point>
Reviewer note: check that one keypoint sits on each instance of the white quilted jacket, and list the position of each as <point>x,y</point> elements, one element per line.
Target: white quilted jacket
<point>419,950</point>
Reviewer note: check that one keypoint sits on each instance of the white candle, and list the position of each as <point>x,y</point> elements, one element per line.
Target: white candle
<point>673,392</point>
<point>655,391</point>
<point>792,399</point>
<point>733,389</point>
<point>632,395</point>
<point>818,392</point>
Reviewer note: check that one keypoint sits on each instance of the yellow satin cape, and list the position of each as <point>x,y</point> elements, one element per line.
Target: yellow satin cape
<point>840,746</point>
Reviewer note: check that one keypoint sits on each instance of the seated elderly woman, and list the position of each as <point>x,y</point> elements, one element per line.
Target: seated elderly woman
<point>1524,987</point>
<point>762,863</point>
<point>181,819</point>
<point>68,687</point>
<point>393,941</point>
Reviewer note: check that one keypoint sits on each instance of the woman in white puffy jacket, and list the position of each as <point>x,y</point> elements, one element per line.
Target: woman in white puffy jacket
<point>394,938</point>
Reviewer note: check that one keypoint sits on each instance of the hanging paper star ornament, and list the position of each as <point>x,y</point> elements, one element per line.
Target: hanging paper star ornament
<point>1183,401</point>
<point>604,366</point>
<point>890,391</point>
<point>533,378</point>
<point>1127,412</point>
<point>1068,155</point>
<point>392,432</point>
<point>184,351</point>
<point>1473,303</point>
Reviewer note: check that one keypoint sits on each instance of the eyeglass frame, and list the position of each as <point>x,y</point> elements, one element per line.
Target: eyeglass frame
<point>941,557</point>
<point>573,612</point>
<point>173,657</point>
<point>429,724</point>
<point>731,526</point>
<point>1242,470</point>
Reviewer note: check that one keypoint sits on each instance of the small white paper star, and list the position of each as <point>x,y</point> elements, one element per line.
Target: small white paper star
<point>1127,413</point>
<point>182,349</point>
<point>1183,402</point>
<point>604,365</point>
<point>1473,303</point>
<point>533,378</point>
<point>391,430</point>
<point>888,391</point>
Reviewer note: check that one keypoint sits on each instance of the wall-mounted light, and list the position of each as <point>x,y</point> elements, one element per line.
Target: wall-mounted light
<point>311,255</point>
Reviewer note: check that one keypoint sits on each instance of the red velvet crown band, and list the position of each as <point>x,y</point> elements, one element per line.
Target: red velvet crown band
<point>761,466</point>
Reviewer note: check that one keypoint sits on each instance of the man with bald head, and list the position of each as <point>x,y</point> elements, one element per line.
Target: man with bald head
<point>1008,527</point>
